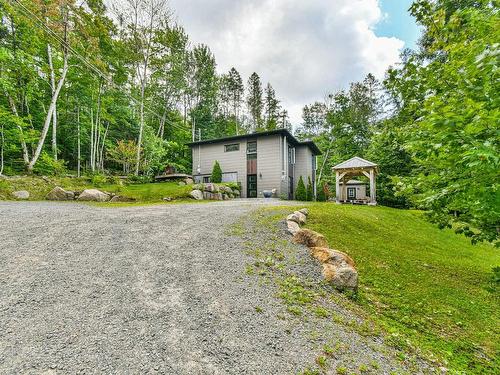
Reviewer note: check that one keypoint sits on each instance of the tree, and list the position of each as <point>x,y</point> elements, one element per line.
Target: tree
<point>301,193</point>
<point>216,173</point>
<point>272,108</point>
<point>309,190</point>
<point>254,101</point>
<point>321,196</point>
<point>124,153</point>
<point>236,92</point>
<point>447,101</point>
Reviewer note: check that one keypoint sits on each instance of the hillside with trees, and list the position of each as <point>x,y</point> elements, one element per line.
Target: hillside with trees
<point>432,125</point>
<point>117,89</point>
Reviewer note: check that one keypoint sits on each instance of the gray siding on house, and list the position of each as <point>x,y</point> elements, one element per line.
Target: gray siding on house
<point>272,162</point>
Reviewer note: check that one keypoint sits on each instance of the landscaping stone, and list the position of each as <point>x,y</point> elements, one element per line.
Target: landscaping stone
<point>225,189</point>
<point>310,238</point>
<point>59,194</point>
<point>292,226</point>
<point>341,277</point>
<point>181,183</point>
<point>338,267</point>
<point>298,217</point>
<point>236,193</point>
<point>304,211</point>
<point>196,194</point>
<point>189,181</point>
<point>212,188</point>
<point>21,194</point>
<point>93,195</point>
<point>121,199</point>
<point>301,216</point>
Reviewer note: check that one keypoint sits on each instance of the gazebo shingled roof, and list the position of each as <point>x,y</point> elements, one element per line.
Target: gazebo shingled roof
<point>355,162</point>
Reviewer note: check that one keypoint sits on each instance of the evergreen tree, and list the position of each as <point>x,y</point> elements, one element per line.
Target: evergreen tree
<point>236,93</point>
<point>272,108</point>
<point>309,191</point>
<point>321,196</point>
<point>216,173</point>
<point>301,193</point>
<point>254,101</point>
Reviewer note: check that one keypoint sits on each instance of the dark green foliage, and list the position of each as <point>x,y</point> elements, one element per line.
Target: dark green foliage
<point>309,190</point>
<point>301,193</point>
<point>216,173</point>
<point>321,194</point>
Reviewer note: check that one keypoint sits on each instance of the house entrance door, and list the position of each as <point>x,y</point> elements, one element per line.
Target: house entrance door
<point>252,186</point>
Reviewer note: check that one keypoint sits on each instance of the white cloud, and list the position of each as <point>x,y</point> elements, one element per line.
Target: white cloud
<point>305,48</point>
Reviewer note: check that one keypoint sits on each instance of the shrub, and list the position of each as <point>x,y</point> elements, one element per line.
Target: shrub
<point>46,165</point>
<point>321,196</point>
<point>309,190</point>
<point>216,173</point>
<point>98,180</point>
<point>301,194</point>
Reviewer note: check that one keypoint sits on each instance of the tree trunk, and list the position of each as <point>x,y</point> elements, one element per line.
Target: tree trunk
<point>141,129</point>
<point>101,157</point>
<point>54,114</point>
<point>78,168</point>
<point>48,117</point>
<point>2,139</point>
<point>26,156</point>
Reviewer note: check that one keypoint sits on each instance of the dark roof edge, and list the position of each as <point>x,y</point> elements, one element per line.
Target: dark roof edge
<point>314,148</point>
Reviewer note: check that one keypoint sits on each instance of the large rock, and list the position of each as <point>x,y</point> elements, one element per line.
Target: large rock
<point>211,188</point>
<point>212,196</point>
<point>181,183</point>
<point>93,195</point>
<point>338,267</point>
<point>236,193</point>
<point>226,189</point>
<point>341,277</point>
<point>292,226</point>
<point>121,199</point>
<point>304,211</point>
<point>301,216</point>
<point>310,238</point>
<point>21,194</point>
<point>293,217</point>
<point>196,194</point>
<point>189,181</point>
<point>59,194</point>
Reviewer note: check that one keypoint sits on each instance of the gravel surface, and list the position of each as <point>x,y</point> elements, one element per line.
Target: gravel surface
<point>163,289</point>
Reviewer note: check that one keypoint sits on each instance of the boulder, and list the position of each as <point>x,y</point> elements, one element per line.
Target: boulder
<point>196,194</point>
<point>212,188</point>
<point>304,211</point>
<point>292,226</point>
<point>310,238</point>
<point>341,277</point>
<point>181,183</point>
<point>225,189</point>
<point>93,195</point>
<point>121,199</point>
<point>298,217</point>
<point>338,267</point>
<point>59,194</point>
<point>189,181</point>
<point>236,192</point>
<point>21,194</point>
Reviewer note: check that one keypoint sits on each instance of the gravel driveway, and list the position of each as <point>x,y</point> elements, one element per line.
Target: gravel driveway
<point>160,289</point>
<point>135,290</point>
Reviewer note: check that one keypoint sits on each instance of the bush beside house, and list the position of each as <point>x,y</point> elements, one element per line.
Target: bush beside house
<point>301,193</point>
<point>216,173</point>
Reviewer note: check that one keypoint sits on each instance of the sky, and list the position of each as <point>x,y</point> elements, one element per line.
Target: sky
<point>304,48</point>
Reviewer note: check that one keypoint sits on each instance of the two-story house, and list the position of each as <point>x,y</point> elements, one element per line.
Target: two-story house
<point>267,161</point>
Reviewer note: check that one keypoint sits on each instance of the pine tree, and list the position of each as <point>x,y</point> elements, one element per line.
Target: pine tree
<point>254,100</point>
<point>309,191</point>
<point>236,92</point>
<point>272,108</point>
<point>301,193</point>
<point>216,173</point>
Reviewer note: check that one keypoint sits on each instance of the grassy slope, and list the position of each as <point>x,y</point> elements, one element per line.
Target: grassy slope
<point>39,188</point>
<point>425,285</point>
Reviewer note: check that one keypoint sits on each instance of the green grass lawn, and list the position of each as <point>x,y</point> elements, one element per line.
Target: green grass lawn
<point>430,289</point>
<point>39,187</point>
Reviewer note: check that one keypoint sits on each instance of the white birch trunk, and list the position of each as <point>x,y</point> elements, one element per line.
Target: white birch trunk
<point>48,117</point>
<point>54,114</point>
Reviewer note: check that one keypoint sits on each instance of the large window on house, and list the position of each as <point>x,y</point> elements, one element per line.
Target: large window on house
<point>232,147</point>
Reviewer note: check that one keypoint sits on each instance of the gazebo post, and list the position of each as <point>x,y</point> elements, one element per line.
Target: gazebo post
<point>373,188</point>
<point>337,187</point>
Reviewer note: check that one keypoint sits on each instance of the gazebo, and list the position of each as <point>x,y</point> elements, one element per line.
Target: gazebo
<point>355,166</point>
